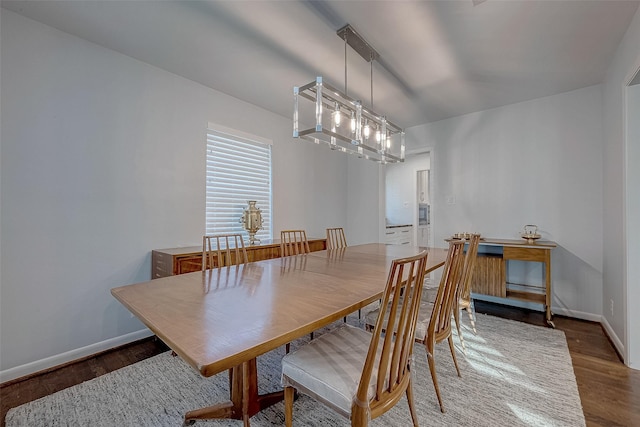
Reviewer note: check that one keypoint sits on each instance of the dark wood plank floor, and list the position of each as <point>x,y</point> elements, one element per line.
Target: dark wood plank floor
<point>609,391</point>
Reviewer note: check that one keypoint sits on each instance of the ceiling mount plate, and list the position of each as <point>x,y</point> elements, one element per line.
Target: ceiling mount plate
<point>357,43</point>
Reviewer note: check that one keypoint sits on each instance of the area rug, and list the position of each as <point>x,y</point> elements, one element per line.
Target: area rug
<point>513,374</point>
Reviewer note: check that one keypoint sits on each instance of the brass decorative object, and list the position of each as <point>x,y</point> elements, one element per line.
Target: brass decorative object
<point>531,233</point>
<point>252,221</point>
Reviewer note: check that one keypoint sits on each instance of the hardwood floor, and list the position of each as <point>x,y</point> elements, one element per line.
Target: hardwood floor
<point>609,391</point>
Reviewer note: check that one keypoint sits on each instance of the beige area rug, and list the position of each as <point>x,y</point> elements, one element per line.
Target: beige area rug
<point>513,374</point>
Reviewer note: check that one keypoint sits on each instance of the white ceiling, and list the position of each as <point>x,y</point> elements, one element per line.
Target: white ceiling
<point>438,59</point>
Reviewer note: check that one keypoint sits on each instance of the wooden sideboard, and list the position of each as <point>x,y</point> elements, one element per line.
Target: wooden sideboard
<point>172,261</point>
<point>491,272</point>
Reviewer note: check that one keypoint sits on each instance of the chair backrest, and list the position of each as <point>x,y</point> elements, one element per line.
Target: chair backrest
<point>335,238</point>
<point>469,267</point>
<point>293,242</point>
<point>390,354</point>
<point>440,322</point>
<point>220,248</point>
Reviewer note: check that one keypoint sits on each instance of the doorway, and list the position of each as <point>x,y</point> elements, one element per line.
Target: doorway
<point>402,194</point>
<point>423,202</point>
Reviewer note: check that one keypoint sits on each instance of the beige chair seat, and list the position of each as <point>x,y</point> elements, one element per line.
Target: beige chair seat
<point>362,375</point>
<point>424,315</point>
<point>329,368</point>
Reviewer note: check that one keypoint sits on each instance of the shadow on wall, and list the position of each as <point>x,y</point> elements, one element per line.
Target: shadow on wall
<point>576,287</point>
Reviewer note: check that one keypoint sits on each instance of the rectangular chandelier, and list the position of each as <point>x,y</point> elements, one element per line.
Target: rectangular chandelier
<point>344,124</point>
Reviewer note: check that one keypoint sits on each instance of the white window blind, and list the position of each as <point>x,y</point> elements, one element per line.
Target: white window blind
<point>238,170</point>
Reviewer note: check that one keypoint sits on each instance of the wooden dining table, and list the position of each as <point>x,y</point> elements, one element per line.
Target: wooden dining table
<point>224,318</point>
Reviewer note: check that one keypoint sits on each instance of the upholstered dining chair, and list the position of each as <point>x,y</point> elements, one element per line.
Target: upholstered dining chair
<point>465,302</point>
<point>223,250</point>
<point>336,238</point>
<point>293,242</point>
<point>464,288</point>
<point>359,374</point>
<point>434,319</point>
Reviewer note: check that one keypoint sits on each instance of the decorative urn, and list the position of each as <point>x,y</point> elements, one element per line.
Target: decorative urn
<point>252,221</point>
<point>530,233</point>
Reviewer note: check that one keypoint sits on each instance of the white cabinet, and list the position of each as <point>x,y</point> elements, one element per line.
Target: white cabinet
<point>423,235</point>
<point>399,235</point>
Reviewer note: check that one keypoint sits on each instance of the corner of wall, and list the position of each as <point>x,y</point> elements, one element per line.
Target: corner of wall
<point>617,343</point>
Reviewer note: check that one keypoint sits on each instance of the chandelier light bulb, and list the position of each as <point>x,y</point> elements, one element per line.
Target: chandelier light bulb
<point>367,129</point>
<point>378,136</point>
<point>337,116</point>
<point>353,122</point>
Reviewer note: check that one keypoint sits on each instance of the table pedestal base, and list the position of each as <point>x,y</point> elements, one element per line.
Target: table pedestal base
<point>244,400</point>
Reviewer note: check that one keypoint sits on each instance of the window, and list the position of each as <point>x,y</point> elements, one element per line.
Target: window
<point>238,170</point>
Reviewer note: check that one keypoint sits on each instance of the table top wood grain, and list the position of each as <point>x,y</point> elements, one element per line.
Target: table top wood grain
<point>220,318</point>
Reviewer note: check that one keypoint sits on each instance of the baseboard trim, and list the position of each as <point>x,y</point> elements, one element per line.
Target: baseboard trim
<point>577,314</point>
<point>582,315</point>
<point>70,356</point>
<point>613,338</point>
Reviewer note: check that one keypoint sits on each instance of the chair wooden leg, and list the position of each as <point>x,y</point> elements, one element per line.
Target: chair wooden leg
<point>412,408</point>
<point>471,310</point>
<point>453,354</point>
<point>287,347</point>
<point>456,317</point>
<point>288,406</point>
<point>434,378</point>
<point>359,416</point>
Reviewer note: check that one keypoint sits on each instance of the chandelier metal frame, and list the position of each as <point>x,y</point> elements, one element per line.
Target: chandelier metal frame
<point>368,135</point>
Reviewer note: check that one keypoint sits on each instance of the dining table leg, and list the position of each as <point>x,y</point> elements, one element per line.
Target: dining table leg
<point>244,398</point>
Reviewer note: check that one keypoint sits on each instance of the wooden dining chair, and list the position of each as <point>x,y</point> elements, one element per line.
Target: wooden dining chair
<point>293,242</point>
<point>464,288</point>
<point>336,238</point>
<point>465,302</point>
<point>223,250</point>
<point>359,374</point>
<point>434,319</point>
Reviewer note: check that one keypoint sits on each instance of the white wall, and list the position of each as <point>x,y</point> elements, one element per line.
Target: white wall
<point>624,65</point>
<point>103,161</point>
<point>364,199</point>
<point>536,162</point>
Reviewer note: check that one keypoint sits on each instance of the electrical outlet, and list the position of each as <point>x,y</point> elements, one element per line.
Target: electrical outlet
<point>611,306</point>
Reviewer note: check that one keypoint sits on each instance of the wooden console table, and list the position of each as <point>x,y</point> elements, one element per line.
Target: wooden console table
<point>490,276</point>
<point>172,261</point>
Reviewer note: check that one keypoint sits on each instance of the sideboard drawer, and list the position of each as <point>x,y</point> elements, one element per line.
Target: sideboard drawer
<point>525,254</point>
